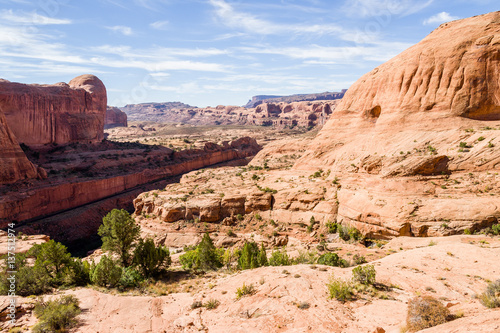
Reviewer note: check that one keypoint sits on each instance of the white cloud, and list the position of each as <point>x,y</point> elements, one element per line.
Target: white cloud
<point>159,25</point>
<point>440,18</point>
<point>251,24</point>
<point>373,8</point>
<point>127,31</point>
<point>317,54</point>
<point>29,18</point>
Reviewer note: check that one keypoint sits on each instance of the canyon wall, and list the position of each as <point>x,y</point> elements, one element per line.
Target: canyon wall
<point>51,198</point>
<point>115,118</point>
<point>14,165</point>
<point>59,114</point>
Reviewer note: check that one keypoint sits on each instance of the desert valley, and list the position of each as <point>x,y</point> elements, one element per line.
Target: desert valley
<point>372,209</point>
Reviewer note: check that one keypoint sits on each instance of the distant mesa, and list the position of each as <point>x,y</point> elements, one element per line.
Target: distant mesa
<point>276,111</point>
<point>259,99</point>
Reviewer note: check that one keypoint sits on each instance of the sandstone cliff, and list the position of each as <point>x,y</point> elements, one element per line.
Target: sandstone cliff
<point>60,113</point>
<point>414,140</point>
<point>14,165</point>
<point>115,118</point>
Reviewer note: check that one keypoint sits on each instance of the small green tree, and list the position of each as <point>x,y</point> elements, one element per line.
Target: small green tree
<point>106,273</point>
<point>151,258</point>
<point>263,256</point>
<point>249,256</point>
<point>53,257</point>
<point>119,233</point>
<point>210,258</point>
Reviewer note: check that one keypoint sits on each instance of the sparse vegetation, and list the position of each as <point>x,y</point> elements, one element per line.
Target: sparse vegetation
<point>364,274</point>
<point>56,316</point>
<point>340,290</point>
<point>245,290</point>
<point>425,312</point>
<point>491,296</point>
<point>211,304</point>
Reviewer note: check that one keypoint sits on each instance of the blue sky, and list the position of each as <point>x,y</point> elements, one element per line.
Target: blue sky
<point>210,52</point>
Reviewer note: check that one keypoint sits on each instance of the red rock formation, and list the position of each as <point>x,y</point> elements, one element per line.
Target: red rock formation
<point>60,113</point>
<point>14,165</point>
<point>115,118</point>
<point>48,199</point>
<point>406,120</point>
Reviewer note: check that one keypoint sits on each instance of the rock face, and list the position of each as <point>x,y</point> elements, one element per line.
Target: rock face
<point>428,112</point>
<point>60,113</point>
<point>14,165</point>
<point>115,118</point>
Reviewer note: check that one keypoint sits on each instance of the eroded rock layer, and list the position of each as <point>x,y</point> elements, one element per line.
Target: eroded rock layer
<point>60,113</point>
<point>415,141</point>
<point>14,164</point>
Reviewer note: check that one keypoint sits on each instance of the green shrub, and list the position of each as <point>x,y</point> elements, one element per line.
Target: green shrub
<point>32,280</point>
<point>205,257</point>
<point>130,278</point>
<point>358,259</point>
<point>425,312</point>
<point>150,258</point>
<point>332,227</point>
<point>340,290</point>
<point>364,274</point>
<point>332,259</point>
<point>495,229</point>
<point>252,257</point>
<point>106,273</point>
<point>57,315</point>
<point>211,304</point>
<point>245,290</point>
<point>279,258</point>
<point>119,232</point>
<point>77,273</point>
<point>491,297</point>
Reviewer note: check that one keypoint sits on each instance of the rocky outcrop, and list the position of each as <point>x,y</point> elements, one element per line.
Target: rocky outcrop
<point>260,99</point>
<point>115,118</point>
<point>14,165</point>
<point>60,113</point>
<point>302,114</point>
<point>412,141</point>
